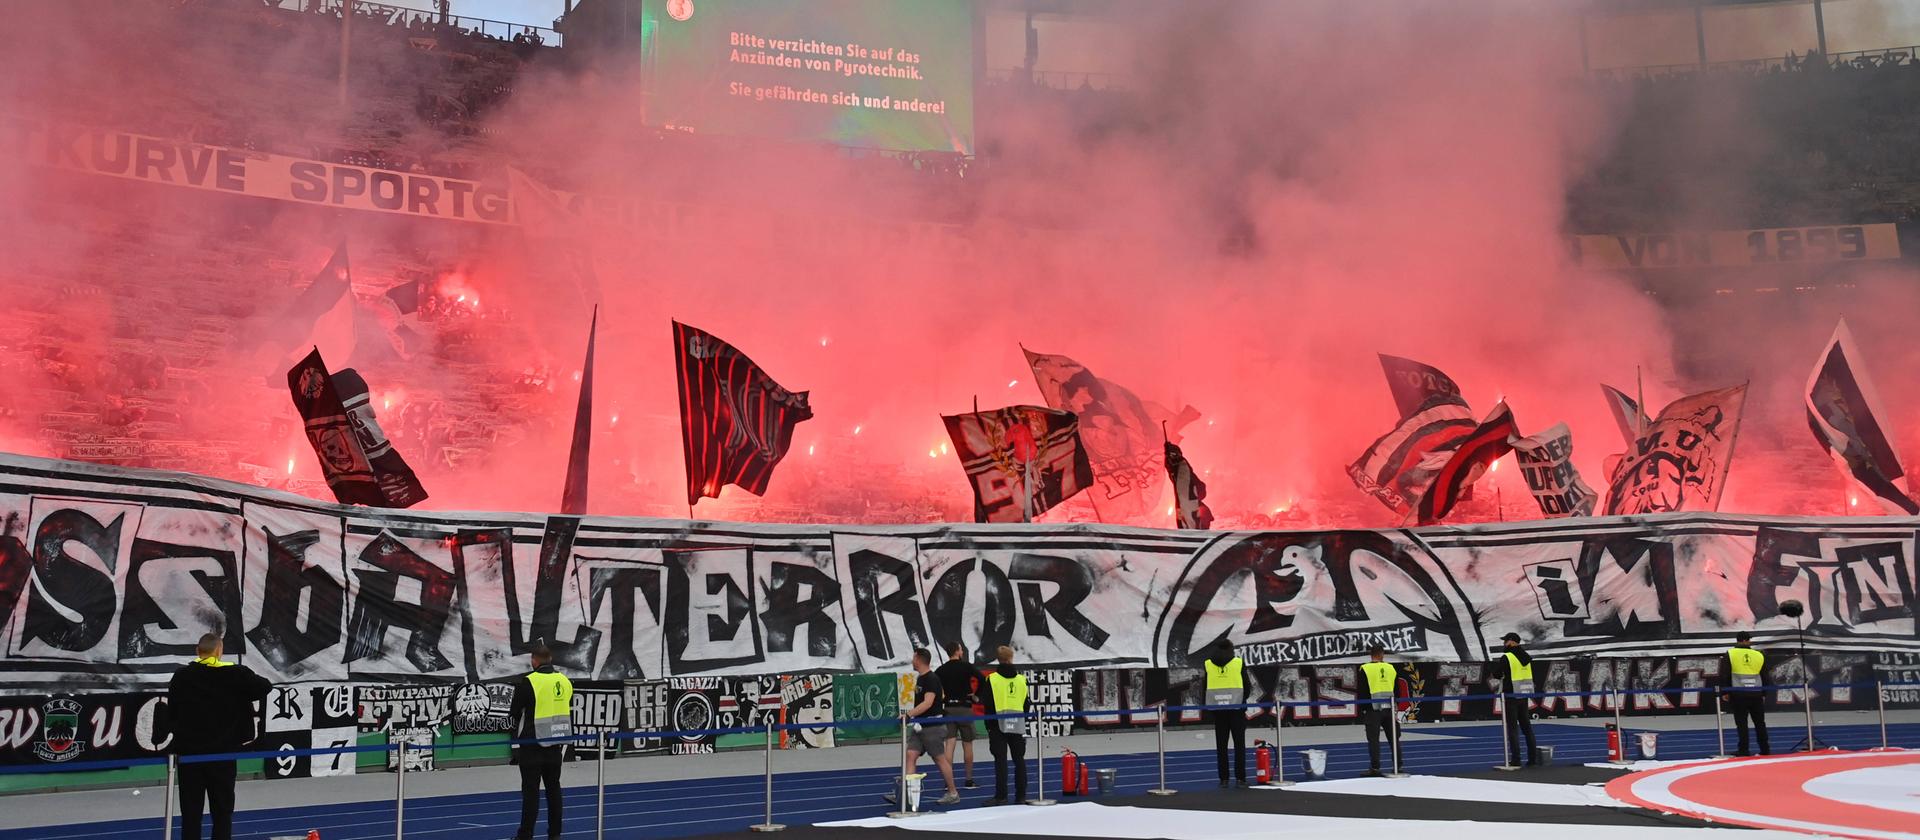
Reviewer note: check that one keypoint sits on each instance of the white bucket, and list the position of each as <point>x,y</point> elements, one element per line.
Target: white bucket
<point>910,797</point>
<point>1313,764</point>
<point>1649,744</point>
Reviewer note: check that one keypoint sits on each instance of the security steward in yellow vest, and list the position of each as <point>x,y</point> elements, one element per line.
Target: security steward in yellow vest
<point>1743,693</point>
<point>1227,684</point>
<point>1007,738</point>
<point>542,708</point>
<point>1378,680</point>
<point>1514,670</point>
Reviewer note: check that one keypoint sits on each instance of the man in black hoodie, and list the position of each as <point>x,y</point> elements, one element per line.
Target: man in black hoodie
<point>1006,693</point>
<point>210,711</point>
<point>1514,669</point>
<point>1226,681</point>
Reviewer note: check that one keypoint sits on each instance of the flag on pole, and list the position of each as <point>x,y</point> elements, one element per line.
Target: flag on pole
<point>1189,492</point>
<point>1415,384</point>
<point>573,498</point>
<point>1118,430</point>
<point>358,461</point>
<point>1546,461</point>
<point>545,215</point>
<point>1021,460</point>
<point>735,421</point>
<point>1681,461</point>
<point>1488,442</point>
<point>1398,467</point>
<point>1843,409</point>
<point>1627,414</point>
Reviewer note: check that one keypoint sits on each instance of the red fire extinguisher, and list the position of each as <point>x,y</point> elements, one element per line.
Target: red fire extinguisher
<point>1614,748</point>
<point>1069,772</point>
<point>1262,763</point>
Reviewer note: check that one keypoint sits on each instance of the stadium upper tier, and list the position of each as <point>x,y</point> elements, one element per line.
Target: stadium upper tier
<point>1829,137</point>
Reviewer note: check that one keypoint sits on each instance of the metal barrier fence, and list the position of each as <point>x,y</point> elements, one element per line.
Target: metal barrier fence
<point>605,742</point>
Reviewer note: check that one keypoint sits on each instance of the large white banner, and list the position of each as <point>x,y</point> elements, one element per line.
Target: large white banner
<point>108,576</point>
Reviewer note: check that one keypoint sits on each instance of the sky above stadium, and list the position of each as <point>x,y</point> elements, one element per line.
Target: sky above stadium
<point>530,12</point>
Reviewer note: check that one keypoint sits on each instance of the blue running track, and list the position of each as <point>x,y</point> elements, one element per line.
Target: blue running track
<point>690,808</point>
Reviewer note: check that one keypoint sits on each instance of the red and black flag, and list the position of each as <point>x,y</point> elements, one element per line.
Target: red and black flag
<point>735,421</point>
<point>359,462</point>
<point>1021,460</point>
<point>573,497</point>
<point>1398,467</point>
<point>1487,443</point>
<point>1843,409</point>
<point>1189,492</point>
<point>1416,385</point>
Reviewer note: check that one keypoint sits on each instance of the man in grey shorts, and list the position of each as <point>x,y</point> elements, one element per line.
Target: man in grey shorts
<point>961,682</point>
<point>928,738</point>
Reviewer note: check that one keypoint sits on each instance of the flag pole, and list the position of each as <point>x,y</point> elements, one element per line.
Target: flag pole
<point>1640,411</point>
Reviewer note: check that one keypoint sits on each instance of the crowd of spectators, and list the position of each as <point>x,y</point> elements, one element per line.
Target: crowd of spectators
<point>1804,139</point>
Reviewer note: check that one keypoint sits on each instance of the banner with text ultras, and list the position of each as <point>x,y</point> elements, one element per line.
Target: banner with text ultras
<point>1766,246</point>
<point>874,73</point>
<point>108,577</point>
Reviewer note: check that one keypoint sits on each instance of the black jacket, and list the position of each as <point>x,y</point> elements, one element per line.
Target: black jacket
<point>210,710</point>
<point>957,677</point>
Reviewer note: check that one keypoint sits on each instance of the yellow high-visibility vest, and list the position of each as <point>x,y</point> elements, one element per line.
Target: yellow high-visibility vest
<point>1225,676</point>
<point>1747,663</point>
<point>1518,671</point>
<point>552,705</point>
<point>1380,677</point>
<point>1009,693</point>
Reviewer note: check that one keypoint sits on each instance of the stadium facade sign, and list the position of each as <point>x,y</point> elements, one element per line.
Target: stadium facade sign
<point>1734,248</point>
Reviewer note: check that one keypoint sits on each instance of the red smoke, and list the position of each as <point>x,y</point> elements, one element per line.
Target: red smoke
<point>1286,190</point>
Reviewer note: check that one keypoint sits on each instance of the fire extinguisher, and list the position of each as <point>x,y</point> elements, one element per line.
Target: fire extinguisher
<point>1069,772</point>
<point>1086,774</point>
<point>1614,749</point>
<point>1262,763</point>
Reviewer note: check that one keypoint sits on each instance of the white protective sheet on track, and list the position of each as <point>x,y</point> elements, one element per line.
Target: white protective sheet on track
<point>1888,788</point>
<point>1465,790</point>
<point>1644,764</point>
<point>1087,819</point>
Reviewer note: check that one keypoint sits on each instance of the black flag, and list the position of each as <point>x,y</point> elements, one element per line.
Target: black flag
<point>358,461</point>
<point>1189,492</point>
<point>1843,410</point>
<point>735,421</point>
<point>573,499</point>
<point>1416,384</point>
